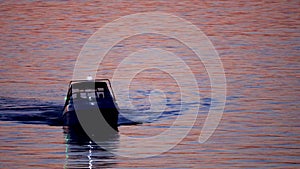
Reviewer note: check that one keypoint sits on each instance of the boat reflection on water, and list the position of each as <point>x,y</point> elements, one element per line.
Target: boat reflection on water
<point>82,152</point>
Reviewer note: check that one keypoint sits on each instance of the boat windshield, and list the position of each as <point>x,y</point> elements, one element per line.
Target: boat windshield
<point>88,93</point>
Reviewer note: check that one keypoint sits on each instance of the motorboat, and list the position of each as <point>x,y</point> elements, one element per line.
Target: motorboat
<point>88,98</point>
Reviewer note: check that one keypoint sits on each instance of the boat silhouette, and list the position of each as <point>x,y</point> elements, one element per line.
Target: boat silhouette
<point>86,99</point>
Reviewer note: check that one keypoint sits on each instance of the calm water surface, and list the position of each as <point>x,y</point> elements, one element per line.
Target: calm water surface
<point>259,45</point>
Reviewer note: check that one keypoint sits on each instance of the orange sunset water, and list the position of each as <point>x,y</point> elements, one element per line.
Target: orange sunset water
<point>258,43</point>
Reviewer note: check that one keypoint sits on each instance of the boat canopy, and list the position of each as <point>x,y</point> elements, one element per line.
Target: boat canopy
<point>85,89</point>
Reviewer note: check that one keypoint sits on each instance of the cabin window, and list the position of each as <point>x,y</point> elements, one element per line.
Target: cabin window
<point>88,93</point>
<point>100,92</point>
<point>74,95</point>
<point>83,95</point>
<point>91,94</point>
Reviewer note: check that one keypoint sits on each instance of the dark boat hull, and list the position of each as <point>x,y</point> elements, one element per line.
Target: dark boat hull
<point>70,118</point>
